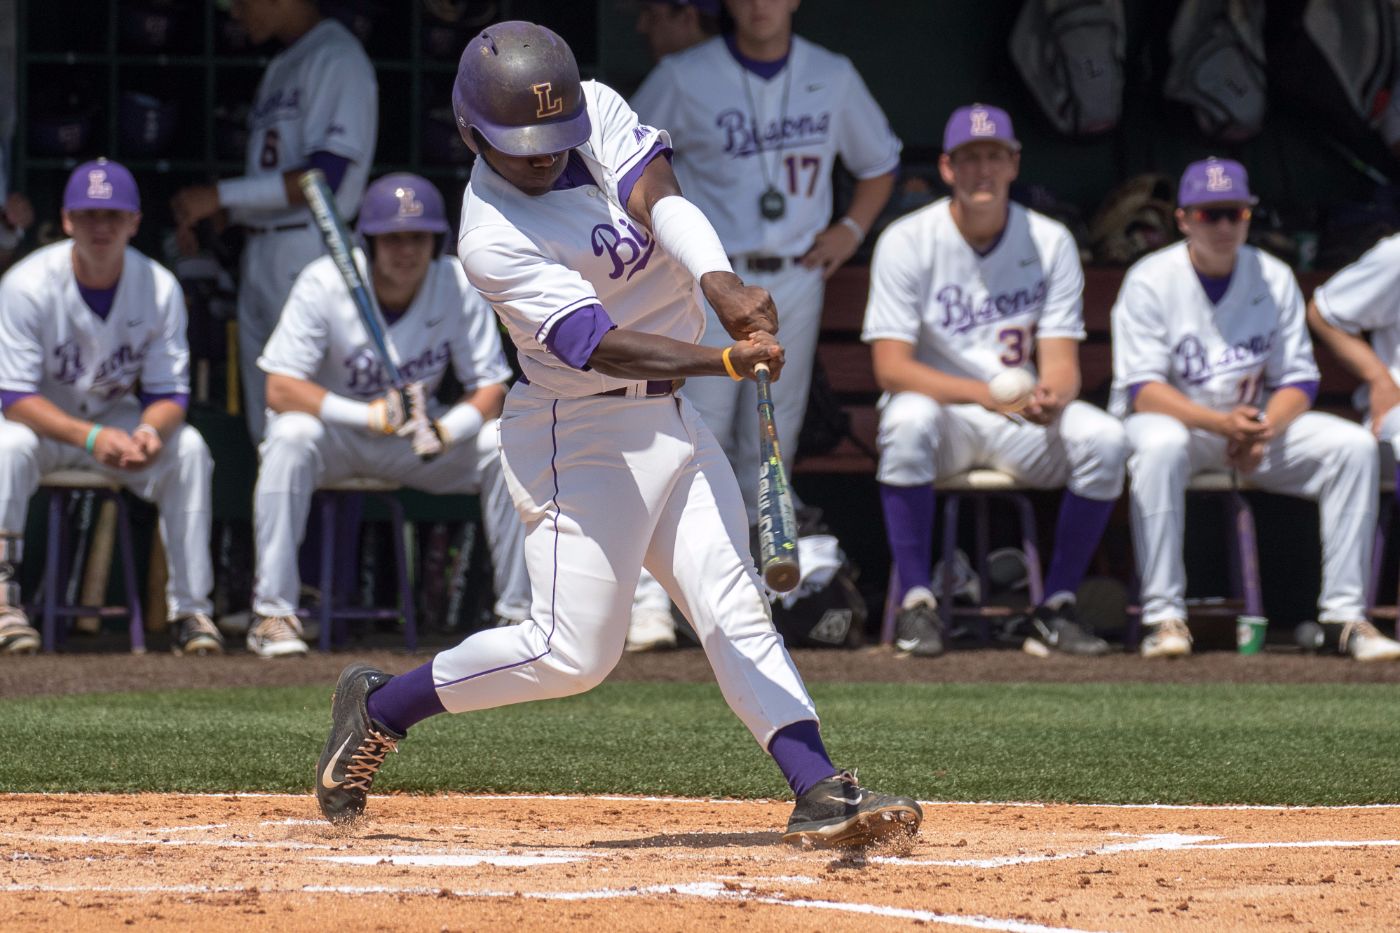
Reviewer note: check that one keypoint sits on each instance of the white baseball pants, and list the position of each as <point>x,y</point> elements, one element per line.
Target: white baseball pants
<point>604,486</point>
<point>1318,456</point>
<point>302,453</point>
<point>921,440</point>
<point>178,482</point>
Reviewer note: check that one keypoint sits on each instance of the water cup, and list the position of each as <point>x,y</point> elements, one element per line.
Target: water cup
<point>1249,633</point>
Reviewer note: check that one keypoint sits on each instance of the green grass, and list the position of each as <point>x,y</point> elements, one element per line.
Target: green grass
<point>1119,743</point>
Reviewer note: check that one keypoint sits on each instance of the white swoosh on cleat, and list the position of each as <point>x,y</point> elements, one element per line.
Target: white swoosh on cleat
<point>328,780</point>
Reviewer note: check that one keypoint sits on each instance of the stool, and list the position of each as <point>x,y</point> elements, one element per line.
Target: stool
<point>1246,592</point>
<point>981,486</point>
<point>60,486</point>
<point>1384,520</point>
<point>330,496</point>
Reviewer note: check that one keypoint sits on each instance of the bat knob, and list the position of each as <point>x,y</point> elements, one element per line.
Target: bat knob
<point>782,578</point>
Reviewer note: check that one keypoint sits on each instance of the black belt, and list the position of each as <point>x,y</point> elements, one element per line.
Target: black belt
<point>765,263</point>
<point>655,388</point>
<point>280,228</point>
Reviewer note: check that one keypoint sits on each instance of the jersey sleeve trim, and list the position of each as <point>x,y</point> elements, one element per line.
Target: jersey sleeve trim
<point>871,336</point>
<point>542,333</point>
<point>574,339</point>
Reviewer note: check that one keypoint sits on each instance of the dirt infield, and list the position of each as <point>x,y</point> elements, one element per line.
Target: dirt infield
<point>165,862</point>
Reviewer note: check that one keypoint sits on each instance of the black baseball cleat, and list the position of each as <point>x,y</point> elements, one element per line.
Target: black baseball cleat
<point>838,812</point>
<point>356,747</point>
<point>1061,631</point>
<point>918,629</point>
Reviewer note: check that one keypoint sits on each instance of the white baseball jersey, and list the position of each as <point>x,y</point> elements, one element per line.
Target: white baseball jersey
<point>53,344</point>
<point>967,314</point>
<point>317,95</point>
<point>567,249</point>
<point>320,337</point>
<point>728,151</point>
<point>1365,296</point>
<point>1221,355</point>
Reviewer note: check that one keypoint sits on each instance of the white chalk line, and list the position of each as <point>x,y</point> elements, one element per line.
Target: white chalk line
<point>704,889</point>
<point>624,798</point>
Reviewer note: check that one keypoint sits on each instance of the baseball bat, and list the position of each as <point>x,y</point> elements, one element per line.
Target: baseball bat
<point>99,566</point>
<point>777,525</point>
<point>337,239</point>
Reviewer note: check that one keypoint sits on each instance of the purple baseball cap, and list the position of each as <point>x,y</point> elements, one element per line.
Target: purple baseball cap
<point>401,202</point>
<point>707,7</point>
<point>1211,180</point>
<point>977,123</point>
<point>101,185</point>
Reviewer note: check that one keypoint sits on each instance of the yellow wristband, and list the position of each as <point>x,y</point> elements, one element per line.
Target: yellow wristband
<point>729,365</point>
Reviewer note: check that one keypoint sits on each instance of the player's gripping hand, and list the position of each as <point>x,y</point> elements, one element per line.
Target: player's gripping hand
<point>742,309</point>
<point>115,448</point>
<point>396,408</point>
<point>148,445</point>
<point>1244,424</point>
<point>830,249</point>
<point>1044,407</point>
<point>761,347</point>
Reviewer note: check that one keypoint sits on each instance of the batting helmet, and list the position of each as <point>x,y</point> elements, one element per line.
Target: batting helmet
<point>402,203</point>
<point>518,86</point>
<point>146,123</point>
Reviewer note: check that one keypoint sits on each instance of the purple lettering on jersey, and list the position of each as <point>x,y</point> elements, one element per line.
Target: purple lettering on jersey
<point>1196,368</point>
<point>368,378</point>
<point>281,104</point>
<point>960,314</point>
<point>70,362</point>
<point>629,247</point>
<point>743,137</point>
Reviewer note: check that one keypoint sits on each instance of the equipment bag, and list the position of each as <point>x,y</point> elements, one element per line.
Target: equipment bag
<point>1070,53</point>
<point>1337,57</point>
<point>1217,66</point>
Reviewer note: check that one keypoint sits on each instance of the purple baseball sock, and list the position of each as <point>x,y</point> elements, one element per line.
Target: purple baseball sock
<point>1077,533</point>
<point>909,527</point>
<point>799,752</point>
<point>406,699</point>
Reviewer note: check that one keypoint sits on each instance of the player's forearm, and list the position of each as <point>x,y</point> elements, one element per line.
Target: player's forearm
<point>1058,365</point>
<point>1166,400</point>
<point>285,393</point>
<point>869,199</point>
<point>629,354</point>
<point>489,400</point>
<point>165,416</point>
<point>46,419</point>
<point>1284,406</point>
<point>1354,352</point>
<point>909,375</point>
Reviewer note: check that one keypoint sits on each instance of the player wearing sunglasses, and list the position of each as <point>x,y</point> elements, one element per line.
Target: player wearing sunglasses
<point>1213,370</point>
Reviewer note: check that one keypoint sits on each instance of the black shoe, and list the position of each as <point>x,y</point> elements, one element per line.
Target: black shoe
<point>839,812</point>
<point>195,634</point>
<point>918,630</point>
<point>356,747</point>
<point>1060,630</point>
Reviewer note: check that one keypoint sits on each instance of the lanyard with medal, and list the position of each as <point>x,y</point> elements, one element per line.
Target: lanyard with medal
<point>771,204</point>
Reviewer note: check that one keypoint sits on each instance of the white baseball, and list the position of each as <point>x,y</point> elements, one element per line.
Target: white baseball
<point>1011,389</point>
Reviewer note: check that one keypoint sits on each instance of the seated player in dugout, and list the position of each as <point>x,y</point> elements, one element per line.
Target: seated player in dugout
<point>1213,370</point>
<point>336,415</point>
<point>575,230</point>
<point>961,291</point>
<point>1359,301</point>
<point>84,321</point>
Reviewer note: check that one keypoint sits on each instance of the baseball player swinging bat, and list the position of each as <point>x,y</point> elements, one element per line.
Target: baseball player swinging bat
<point>337,239</point>
<point>777,526</point>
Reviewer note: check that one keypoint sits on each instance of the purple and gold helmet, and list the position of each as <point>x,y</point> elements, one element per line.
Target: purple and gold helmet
<point>401,203</point>
<point>518,86</point>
